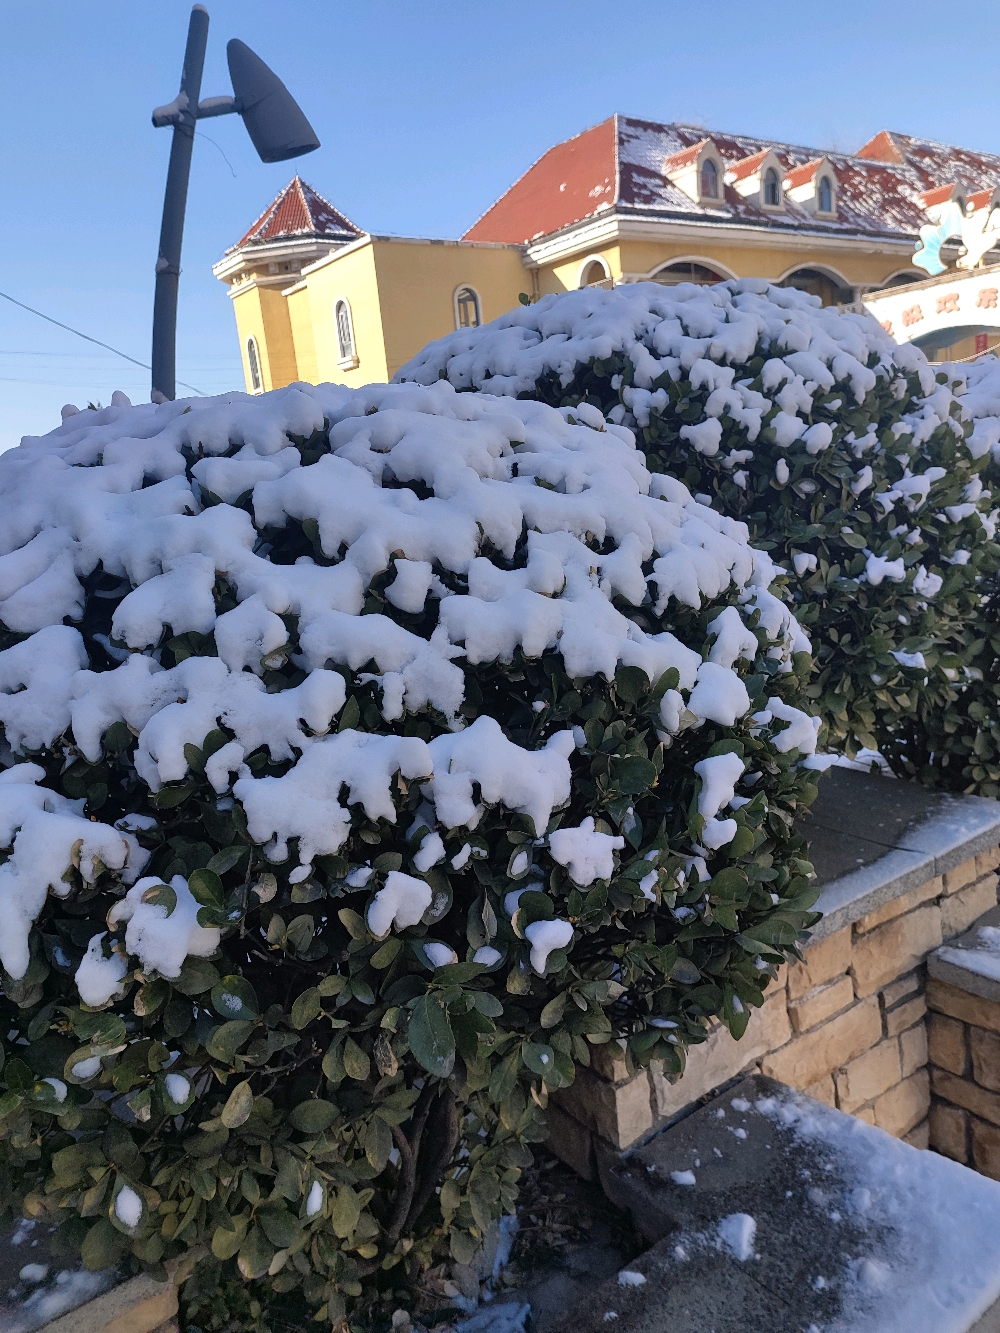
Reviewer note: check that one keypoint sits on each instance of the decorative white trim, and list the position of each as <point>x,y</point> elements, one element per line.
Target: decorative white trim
<point>725,272</point>
<point>826,269</point>
<point>605,230</point>
<point>586,263</point>
<point>467,287</point>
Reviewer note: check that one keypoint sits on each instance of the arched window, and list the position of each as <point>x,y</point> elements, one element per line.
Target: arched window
<point>345,332</point>
<point>772,189</point>
<point>254,362</point>
<point>468,313</point>
<point>709,179</point>
<point>825,195</point>
<point>686,271</point>
<point>593,274</point>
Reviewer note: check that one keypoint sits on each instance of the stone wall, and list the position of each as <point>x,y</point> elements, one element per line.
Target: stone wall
<point>847,1025</point>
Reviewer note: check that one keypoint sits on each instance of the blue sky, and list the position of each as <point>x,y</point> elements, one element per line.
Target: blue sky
<point>426,112</point>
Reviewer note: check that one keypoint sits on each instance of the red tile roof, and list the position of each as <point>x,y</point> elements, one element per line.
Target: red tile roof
<point>940,195</point>
<point>738,171</point>
<point>983,197</point>
<point>622,161</point>
<point>804,174</point>
<point>299,211</point>
<point>566,184</point>
<point>684,157</point>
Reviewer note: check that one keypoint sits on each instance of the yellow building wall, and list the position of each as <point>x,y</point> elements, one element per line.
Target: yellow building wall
<point>350,276</point>
<point>565,275</point>
<point>262,313</point>
<point>303,341</point>
<point>859,267</point>
<point>417,282</point>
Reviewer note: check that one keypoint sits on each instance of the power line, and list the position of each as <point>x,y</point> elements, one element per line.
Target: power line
<point>89,339</point>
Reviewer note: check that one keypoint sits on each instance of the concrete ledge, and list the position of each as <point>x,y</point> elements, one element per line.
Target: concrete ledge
<point>898,834</point>
<point>139,1305</point>
<point>955,963</point>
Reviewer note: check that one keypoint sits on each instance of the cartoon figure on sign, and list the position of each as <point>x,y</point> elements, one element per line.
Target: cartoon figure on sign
<point>980,232</point>
<point>928,252</point>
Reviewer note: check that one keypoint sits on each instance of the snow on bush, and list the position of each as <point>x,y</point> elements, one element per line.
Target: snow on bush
<point>857,465</point>
<point>370,756</point>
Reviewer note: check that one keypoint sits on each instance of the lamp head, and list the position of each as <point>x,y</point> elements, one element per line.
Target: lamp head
<point>270,113</point>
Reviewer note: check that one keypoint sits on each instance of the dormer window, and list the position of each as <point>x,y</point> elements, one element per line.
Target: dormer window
<point>813,186</point>
<point>757,179</point>
<point>824,198</point>
<point>697,170</point>
<point>772,189</point>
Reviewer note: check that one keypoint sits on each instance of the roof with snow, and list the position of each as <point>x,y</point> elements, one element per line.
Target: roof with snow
<point>621,165</point>
<point>299,211</point>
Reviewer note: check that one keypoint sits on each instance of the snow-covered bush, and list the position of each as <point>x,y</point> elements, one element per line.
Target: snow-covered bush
<point>957,746</point>
<point>369,757</point>
<point>849,458</point>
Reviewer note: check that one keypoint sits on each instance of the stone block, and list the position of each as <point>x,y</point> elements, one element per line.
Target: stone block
<point>963,1092</point>
<point>823,961</point>
<point>986,1149</point>
<point>987,861</point>
<point>950,1131</point>
<point>905,1015</point>
<point>883,954</point>
<point>866,1114</point>
<point>620,1113</point>
<point>919,1136</point>
<point>946,1044</point>
<point>913,1050</point>
<point>959,912</point>
<point>721,1058</point>
<point>905,986</point>
<point>904,1106</point>
<point>960,875</point>
<point>868,1076</point>
<point>820,1051</point>
<point>961,1004</point>
<point>821,1003</point>
<point>607,1063</point>
<point>570,1141</point>
<point>139,1305</point>
<point>823,1090</point>
<point>906,902</point>
<point>985,1050</point>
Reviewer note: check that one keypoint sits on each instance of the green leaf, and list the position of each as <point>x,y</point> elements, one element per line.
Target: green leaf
<point>345,1212</point>
<point>206,888</point>
<point>306,1008</point>
<point>457,974</point>
<point>277,1223</point>
<point>238,1107</point>
<point>378,1143</point>
<point>226,859</point>
<point>168,798</point>
<point>226,1040</point>
<point>226,1241</point>
<point>633,775</point>
<point>487,1004</point>
<point>430,1036</point>
<point>356,1063</point>
<point>256,1254</point>
<point>554,1010</point>
<point>300,933</point>
<point>161,895</point>
<point>386,955</point>
<point>103,1246</point>
<point>313,1116</point>
<point>351,715</point>
<point>539,1058</point>
<point>234,998</point>
<point>197,976</point>
<point>685,973</point>
<point>353,923</point>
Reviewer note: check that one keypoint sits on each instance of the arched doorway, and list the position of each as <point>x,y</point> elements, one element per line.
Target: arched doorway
<point>594,273</point>
<point>687,271</point>
<point>830,290</point>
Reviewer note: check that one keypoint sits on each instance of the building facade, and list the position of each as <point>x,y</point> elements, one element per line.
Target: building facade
<point>316,298</point>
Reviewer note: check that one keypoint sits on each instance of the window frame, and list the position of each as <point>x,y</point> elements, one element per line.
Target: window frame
<point>770,178</point>
<point>455,301</point>
<point>253,362</point>
<point>706,194</point>
<point>346,359</point>
<point>830,204</point>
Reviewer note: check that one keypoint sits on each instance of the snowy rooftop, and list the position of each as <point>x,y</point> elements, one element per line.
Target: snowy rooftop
<point>619,164</point>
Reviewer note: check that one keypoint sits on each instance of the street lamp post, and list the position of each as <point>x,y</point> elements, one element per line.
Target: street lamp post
<point>278,130</point>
